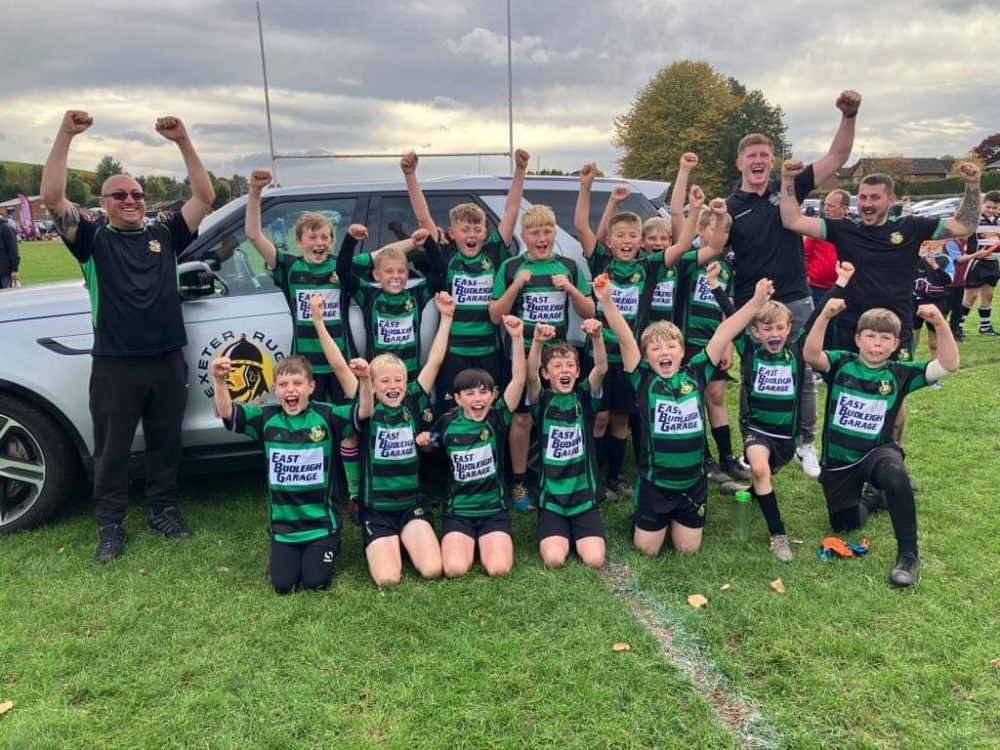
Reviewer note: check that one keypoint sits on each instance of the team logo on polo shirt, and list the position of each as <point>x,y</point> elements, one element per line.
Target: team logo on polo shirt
<point>408,306</point>
<point>154,246</point>
<point>484,435</point>
<point>774,199</point>
<point>487,265</point>
<point>406,416</point>
<point>686,388</point>
<point>317,433</point>
<point>904,355</point>
<point>884,387</point>
<point>896,238</point>
<point>636,277</point>
<point>334,278</point>
<point>417,512</point>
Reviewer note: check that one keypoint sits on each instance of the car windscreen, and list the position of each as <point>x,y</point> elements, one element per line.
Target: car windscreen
<point>563,202</point>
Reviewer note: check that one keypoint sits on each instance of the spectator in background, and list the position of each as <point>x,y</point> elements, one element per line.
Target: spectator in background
<point>821,258</point>
<point>955,267</point>
<point>9,258</point>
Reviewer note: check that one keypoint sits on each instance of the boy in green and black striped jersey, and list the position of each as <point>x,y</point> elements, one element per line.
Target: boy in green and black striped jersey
<point>537,287</point>
<point>474,435</point>
<point>471,260</point>
<point>865,392</point>
<point>671,433</point>
<point>771,376</point>
<point>563,414</point>
<point>300,277</point>
<point>299,438</point>
<point>393,510</point>
<point>391,308</point>
<point>633,284</point>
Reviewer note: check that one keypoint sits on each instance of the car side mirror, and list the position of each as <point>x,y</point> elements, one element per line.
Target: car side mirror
<point>196,279</point>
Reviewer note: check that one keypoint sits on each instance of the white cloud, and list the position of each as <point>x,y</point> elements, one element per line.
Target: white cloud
<point>491,47</point>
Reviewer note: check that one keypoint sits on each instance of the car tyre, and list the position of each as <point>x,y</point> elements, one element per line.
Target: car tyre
<point>38,465</point>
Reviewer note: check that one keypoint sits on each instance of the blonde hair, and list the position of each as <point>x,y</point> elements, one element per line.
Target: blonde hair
<point>385,360</point>
<point>657,224</point>
<point>708,216</point>
<point>880,320</point>
<point>662,330</point>
<point>538,216</point>
<point>389,253</point>
<point>771,312</point>
<point>625,217</point>
<point>754,139</point>
<point>311,222</point>
<point>469,212</point>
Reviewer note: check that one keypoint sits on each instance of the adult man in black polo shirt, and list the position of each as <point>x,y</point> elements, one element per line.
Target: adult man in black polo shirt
<point>138,370</point>
<point>762,248</point>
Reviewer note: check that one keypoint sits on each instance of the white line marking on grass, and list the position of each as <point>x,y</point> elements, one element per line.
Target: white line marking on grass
<point>750,728</point>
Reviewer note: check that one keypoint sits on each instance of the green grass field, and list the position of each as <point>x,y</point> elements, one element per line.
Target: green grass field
<point>184,644</point>
<point>47,260</point>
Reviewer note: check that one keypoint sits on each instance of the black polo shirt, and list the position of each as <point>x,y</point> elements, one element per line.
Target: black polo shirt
<point>885,262</point>
<point>762,247</point>
<point>132,280</point>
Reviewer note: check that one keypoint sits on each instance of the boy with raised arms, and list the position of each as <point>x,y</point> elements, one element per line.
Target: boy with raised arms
<point>671,433</point>
<point>299,438</point>
<point>471,260</point>
<point>865,392</point>
<point>568,516</point>
<point>537,287</point>
<point>474,436</point>
<point>632,280</point>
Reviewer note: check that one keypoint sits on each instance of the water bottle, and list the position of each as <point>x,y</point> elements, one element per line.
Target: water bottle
<point>741,515</point>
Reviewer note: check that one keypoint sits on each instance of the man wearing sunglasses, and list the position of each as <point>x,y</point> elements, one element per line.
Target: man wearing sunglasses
<point>138,368</point>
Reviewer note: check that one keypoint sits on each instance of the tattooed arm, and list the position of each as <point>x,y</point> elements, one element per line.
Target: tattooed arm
<point>53,189</point>
<point>966,217</point>
<point>791,211</point>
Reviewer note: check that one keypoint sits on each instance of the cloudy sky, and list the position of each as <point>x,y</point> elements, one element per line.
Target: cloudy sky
<point>384,76</point>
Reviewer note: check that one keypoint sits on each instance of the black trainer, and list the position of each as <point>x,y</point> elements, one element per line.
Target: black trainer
<point>169,523</point>
<point>110,542</point>
<point>730,465</point>
<point>905,572</point>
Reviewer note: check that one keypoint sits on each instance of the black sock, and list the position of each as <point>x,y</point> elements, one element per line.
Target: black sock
<point>985,324</point>
<point>890,475</point>
<point>615,448</point>
<point>601,444</point>
<point>966,309</point>
<point>520,478</point>
<point>723,442</point>
<point>769,507</point>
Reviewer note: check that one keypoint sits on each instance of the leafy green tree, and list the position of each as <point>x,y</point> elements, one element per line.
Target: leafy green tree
<point>239,185</point>
<point>76,190</point>
<point>107,167</point>
<point>687,106</point>
<point>223,193</point>
<point>988,149</point>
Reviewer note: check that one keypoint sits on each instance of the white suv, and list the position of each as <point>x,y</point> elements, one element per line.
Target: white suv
<point>231,306</point>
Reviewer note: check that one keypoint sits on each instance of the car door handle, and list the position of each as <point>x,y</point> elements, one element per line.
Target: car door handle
<point>59,348</point>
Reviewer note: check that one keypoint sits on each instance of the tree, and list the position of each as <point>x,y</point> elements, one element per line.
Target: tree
<point>752,114</point>
<point>988,149</point>
<point>222,192</point>
<point>239,184</point>
<point>76,190</point>
<point>687,106</point>
<point>107,167</point>
<point>897,166</point>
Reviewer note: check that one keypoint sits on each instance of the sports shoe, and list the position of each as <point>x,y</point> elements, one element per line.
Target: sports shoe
<point>110,542</point>
<point>620,488</point>
<point>905,572</point>
<point>735,470</point>
<point>780,549</point>
<point>169,523</point>
<point>805,456</point>
<point>959,336</point>
<point>714,472</point>
<point>523,501</point>
<point>354,510</point>
<point>989,332</point>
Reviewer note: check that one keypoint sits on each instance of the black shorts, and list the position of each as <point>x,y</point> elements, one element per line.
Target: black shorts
<point>656,507</point>
<point>476,526</point>
<point>495,364</point>
<point>780,450</point>
<point>328,389</point>
<point>582,525</point>
<point>690,352</point>
<point>940,304</point>
<point>617,392</point>
<point>842,487</point>
<point>982,273</point>
<point>903,353</point>
<point>377,524</point>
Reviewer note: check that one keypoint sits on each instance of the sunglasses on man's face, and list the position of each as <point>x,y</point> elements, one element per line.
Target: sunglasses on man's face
<point>121,195</point>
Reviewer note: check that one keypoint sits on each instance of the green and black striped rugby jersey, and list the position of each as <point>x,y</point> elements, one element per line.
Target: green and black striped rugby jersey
<point>388,452</point>
<point>661,291</point>
<point>476,452</point>
<point>565,425</point>
<point>299,281</point>
<point>470,281</point>
<point>772,385</point>
<point>392,322</point>
<point>629,281</point>
<point>539,301</point>
<point>862,403</point>
<point>701,313</point>
<point>302,453</point>
<point>671,426</point>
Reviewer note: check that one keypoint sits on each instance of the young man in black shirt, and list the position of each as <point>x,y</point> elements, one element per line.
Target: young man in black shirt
<point>138,370</point>
<point>762,248</point>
